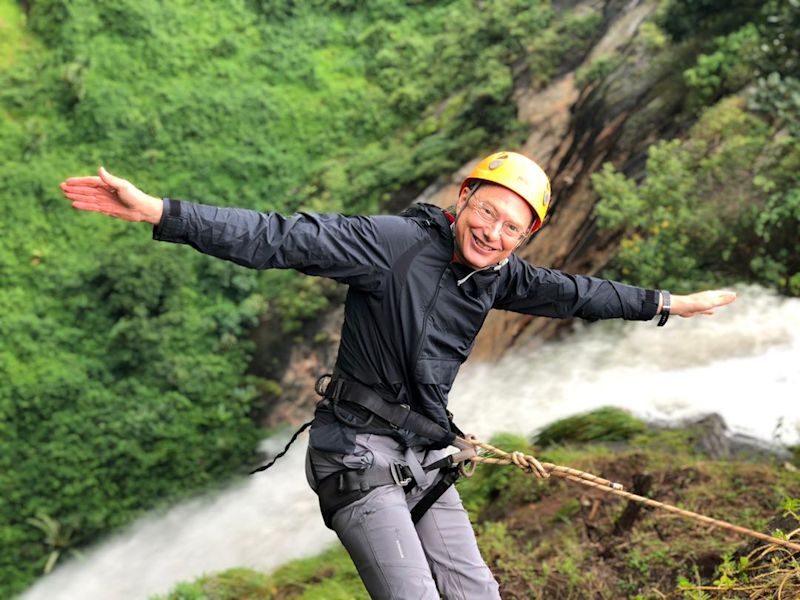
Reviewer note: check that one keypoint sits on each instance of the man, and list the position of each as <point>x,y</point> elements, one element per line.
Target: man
<point>420,287</point>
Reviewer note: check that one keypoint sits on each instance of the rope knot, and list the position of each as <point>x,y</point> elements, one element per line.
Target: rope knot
<point>529,464</point>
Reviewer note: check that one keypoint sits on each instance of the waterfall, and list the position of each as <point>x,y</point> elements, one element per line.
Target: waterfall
<point>742,363</point>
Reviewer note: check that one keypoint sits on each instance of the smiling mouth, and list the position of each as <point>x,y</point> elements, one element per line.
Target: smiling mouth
<point>481,245</point>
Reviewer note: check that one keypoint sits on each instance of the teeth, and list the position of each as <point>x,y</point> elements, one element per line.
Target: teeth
<point>481,244</point>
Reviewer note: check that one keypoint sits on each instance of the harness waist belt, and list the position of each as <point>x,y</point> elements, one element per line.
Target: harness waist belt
<point>398,415</point>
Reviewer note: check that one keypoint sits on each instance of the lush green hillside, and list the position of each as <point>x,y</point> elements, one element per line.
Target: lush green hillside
<point>122,367</point>
<point>123,363</point>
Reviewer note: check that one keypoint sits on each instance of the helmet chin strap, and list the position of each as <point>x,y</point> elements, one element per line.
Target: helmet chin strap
<point>457,216</point>
<point>469,197</point>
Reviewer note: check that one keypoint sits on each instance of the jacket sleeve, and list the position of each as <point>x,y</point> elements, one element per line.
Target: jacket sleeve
<point>550,293</point>
<point>354,250</point>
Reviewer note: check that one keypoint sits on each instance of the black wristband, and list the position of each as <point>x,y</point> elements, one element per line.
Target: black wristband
<point>665,306</point>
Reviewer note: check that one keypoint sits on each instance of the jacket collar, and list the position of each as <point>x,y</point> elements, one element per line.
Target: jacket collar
<point>444,220</point>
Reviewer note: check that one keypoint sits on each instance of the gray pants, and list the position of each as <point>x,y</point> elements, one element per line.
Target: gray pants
<point>395,558</point>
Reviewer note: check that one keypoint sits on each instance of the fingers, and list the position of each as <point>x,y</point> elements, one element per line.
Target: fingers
<point>87,196</point>
<point>724,297</point>
<point>714,299</point>
<point>106,194</point>
<point>93,181</point>
<point>86,190</point>
<point>701,303</point>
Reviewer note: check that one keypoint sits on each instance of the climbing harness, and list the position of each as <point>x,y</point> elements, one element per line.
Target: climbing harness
<point>341,391</point>
<point>342,488</point>
<point>345,487</point>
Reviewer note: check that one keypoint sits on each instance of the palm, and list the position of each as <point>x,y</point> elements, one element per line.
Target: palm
<point>111,196</point>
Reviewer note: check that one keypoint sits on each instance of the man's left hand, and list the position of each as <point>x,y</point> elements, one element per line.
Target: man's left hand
<point>700,303</point>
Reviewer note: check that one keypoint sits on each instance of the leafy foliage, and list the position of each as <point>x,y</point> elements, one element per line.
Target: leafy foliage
<point>722,203</point>
<point>330,575</point>
<point>601,425</point>
<point>123,365</point>
<point>719,205</point>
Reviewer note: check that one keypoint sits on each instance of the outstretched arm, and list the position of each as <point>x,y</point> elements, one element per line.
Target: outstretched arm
<point>551,293</point>
<point>112,196</point>
<point>359,251</point>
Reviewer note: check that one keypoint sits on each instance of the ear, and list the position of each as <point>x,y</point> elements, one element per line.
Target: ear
<point>463,196</point>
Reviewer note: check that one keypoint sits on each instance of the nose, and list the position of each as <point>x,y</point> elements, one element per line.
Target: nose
<point>494,231</point>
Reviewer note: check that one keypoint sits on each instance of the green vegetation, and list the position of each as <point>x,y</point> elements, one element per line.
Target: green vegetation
<point>556,539</point>
<point>123,365</point>
<point>602,425</point>
<point>597,70</point>
<point>331,576</point>
<point>723,203</point>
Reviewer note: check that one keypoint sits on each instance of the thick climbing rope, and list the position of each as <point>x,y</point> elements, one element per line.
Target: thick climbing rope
<point>543,470</point>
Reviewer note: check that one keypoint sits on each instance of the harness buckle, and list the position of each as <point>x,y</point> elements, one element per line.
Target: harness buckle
<point>396,469</point>
<point>321,386</point>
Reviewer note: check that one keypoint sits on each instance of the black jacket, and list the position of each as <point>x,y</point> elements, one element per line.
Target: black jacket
<point>411,314</point>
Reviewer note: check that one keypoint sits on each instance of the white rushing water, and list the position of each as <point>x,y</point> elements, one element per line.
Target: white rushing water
<point>743,363</point>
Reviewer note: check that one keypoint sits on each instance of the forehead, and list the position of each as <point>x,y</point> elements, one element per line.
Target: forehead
<point>509,205</point>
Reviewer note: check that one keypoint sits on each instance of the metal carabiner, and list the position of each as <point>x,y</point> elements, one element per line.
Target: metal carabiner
<point>321,386</point>
<point>394,469</point>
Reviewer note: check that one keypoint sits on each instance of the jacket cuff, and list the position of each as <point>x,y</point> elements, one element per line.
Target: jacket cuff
<point>650,304</point>
<point>172,226</point>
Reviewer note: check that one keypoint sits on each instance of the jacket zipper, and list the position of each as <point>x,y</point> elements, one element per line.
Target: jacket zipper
<point>428,311</point>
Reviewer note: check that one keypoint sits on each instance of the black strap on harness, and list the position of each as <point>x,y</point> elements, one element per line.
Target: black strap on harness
<point>429,499</point>
<point>345,487</point>
<point>399,416</point>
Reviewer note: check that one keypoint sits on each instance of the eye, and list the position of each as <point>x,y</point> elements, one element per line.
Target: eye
<point>486,211</point>
<point>512,229</point>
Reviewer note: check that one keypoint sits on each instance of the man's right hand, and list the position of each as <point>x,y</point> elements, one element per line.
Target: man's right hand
<point>112,196</point>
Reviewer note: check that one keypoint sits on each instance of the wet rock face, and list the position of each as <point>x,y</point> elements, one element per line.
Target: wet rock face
<point>713,439</point>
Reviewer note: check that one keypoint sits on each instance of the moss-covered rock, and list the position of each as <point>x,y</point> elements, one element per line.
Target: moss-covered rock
<point>602,425</point>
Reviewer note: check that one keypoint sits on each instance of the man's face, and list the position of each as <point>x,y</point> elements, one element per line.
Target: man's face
<point>481,242</point>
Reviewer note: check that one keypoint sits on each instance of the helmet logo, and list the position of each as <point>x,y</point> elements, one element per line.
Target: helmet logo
<point>495,163</point>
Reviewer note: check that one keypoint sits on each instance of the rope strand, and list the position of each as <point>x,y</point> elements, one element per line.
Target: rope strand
<point>544,470</point>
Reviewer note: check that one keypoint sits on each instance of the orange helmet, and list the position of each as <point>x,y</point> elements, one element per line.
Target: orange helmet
<point>519,174</point>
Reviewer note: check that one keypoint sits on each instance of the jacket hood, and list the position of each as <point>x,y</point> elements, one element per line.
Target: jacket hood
<point>428,212</point>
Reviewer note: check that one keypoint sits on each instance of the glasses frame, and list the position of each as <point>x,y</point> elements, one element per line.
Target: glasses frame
<point>488,215</point>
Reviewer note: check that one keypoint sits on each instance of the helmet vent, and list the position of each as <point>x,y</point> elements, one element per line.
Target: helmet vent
<point>495,163</point>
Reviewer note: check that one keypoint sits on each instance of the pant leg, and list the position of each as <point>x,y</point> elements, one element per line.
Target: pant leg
<point>394,558</point>
<point>449,542</point>
<point>380,537</point>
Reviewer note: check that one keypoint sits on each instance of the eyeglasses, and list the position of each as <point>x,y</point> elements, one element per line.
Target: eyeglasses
<point>488,214</point>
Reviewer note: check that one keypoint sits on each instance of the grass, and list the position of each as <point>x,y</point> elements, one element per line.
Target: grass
<point>330,575</point>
